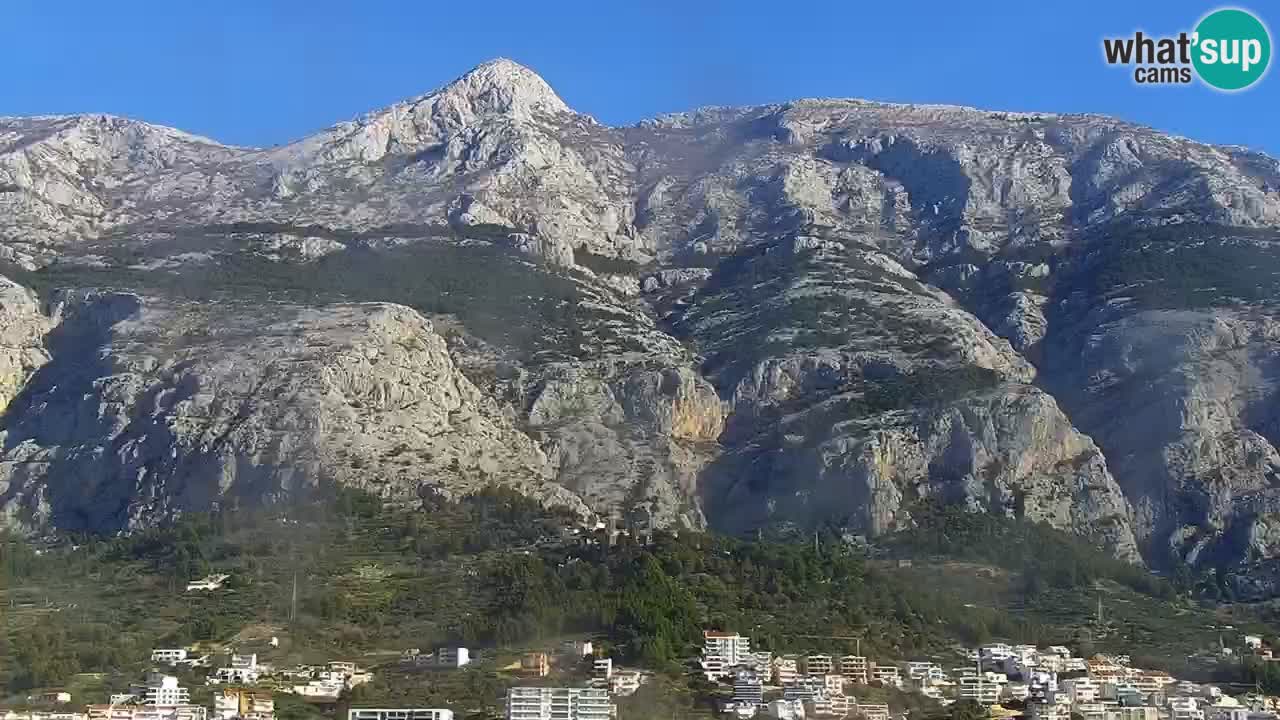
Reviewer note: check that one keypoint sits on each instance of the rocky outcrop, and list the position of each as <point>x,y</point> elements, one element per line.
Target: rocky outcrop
<point>1184,404</point>
<point>22,329</point>
<point>183,407</point>
<point>1010,451</point>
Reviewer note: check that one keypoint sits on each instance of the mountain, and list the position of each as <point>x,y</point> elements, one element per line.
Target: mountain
<point>824,311</point>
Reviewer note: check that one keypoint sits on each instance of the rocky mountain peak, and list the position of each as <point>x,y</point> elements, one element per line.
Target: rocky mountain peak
<point>503,86</point>
<point>499,90</point>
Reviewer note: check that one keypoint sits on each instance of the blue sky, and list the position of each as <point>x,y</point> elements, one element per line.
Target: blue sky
<point>261,72</point>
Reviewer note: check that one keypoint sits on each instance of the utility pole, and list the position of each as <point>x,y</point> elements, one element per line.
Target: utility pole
<point>293,601</point>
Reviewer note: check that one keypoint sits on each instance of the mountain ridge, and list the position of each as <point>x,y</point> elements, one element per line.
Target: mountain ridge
<point>814,312</point>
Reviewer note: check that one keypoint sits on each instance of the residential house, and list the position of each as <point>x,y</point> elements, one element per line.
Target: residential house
<point>872,712</point>
<point>577,648</point>
<point>921,670</point>
<point>1185,708</point>
<point>399,714</point>
<point>41,715</point>
<point>786,710</point>
<point>829,706</point>
<point>535,664</point>
<point>146,712</point>
<point>345,669</point>
<point>169,656</point>
<point>1090,711</point>
<point>243,703</point>
<point>804,689</point>
<point>1151,682</point>
<point>624,682</point>
<point>161,689</point>
<point>54,697</point>
<point>208,583</point>
<point>1015,691</point>
<point>319,689</point>
<point>1142,712</point>
<point>1081,690</point>
<point>546,703</point>
<point>1041,710</point>
<point>452,657</point>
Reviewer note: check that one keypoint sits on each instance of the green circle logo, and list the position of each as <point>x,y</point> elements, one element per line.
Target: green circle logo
<point>1232,49</point>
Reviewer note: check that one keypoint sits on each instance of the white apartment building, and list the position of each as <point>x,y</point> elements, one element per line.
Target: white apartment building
<point>322,689</point>
<point>786,669</point>
<point>805,689</point>
<point>1090,711</point>
<point>786,710</point>
<point>161,689</point>
<point>580,648</point>
<point>602,668</point>
<point>978,688</point>
<point>399,714</point>
<point>873,712</point>
<point>833,684</point>
<point>761,661</point>
<point>722,651</point>
<point>1027,655</point>
<point>1082,690</point>
<point>817,665</point>
<point>454,657</point>
<point>747,688</point>
<point>1016,691</point>
<point>1150,682</point>
<point>1145,712</point>
<point>625,682</point>
<point>345,669</point>
<point>1048,711</point>
<point>42,715</point>
<point>886,675</point>
<point>830,706</point>
<point>244,704</point>
<point>1185,708</point>
<point>854,667</point>
<point>996,651</point>
<point>145,712</point>
<point>169,656</point>
<point>208,583</point>
<point>544,703</point>
<point>920,670</point>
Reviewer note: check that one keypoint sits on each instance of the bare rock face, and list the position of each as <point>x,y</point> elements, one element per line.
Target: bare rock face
<point>1194,441</point>
<point>817,311</point>
<point>183,407</point>
<point>1009,452</point>
<point>22,329</point>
